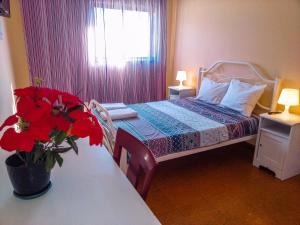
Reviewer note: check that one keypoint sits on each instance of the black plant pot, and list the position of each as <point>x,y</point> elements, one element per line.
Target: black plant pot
<point>29,181</point>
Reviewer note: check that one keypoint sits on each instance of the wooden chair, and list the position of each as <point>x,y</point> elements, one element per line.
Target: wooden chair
<point>141,162</point>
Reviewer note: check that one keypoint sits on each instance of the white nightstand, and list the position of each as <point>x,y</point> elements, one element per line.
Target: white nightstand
<point>176,92</point>
<point>278,145</point>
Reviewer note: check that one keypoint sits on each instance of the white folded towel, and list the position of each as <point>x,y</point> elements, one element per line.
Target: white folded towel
<point>118,114</point>
<point>112,106</point>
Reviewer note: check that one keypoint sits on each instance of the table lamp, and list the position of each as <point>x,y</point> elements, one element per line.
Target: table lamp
<point>288,97</point>
<point>181,76</point>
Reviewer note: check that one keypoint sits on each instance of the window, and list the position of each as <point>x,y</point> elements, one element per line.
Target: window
<point>119,36</point>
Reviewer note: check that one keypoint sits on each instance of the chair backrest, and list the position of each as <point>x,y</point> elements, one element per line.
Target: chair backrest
<point>141,162</point>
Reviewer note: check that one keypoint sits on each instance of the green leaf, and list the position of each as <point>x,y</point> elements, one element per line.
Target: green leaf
<point>73,144</point>
<point>37,154</point>
<point>54,132</point>
<point>59,159</point>
<point>50,160</point>
<point>60,137</point>
<point>62,150</point>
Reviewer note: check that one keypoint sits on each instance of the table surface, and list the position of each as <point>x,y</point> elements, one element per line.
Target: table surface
<point>89,189</point>
<point>290,119</point>
<point>180,88</point>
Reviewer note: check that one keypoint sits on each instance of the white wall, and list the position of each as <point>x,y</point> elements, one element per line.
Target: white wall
<point>16,43</point>
<point>264,32</point>
<point>6,75</point>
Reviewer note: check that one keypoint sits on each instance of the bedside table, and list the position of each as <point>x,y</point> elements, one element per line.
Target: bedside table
<point>278,145</point>
<point>177,92</point>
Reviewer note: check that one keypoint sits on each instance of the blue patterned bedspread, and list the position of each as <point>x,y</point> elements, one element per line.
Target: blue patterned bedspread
<point>173,126</point>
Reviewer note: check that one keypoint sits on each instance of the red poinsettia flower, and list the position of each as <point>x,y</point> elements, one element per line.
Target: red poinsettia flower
<point>45,119</point>
<point>40,130</point>
<point>42,113</point>
<point>9,121</point>
<point>86,125</point>
<point>28,92</point>
<point>32,110</point>
<point>70,100</point>
<point>50,95</point>
<point>96,135</point>
<point>60,122</point>
<point>11,140</point>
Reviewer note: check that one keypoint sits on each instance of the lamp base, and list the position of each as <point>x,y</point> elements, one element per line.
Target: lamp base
<point>286,113</point>
<point>286,110</point>
<point>181,84</point>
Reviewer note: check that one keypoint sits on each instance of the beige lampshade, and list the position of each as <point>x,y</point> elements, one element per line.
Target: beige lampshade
<point>289,97</point>
<point>181,75</point>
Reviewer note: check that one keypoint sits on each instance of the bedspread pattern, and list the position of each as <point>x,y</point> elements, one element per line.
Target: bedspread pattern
<point>173,126</point>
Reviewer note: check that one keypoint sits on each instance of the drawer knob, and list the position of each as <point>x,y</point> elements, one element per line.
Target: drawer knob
<point>260,145</point>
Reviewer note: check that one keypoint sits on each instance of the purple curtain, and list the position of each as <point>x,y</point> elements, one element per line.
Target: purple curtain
<point>71,46</point>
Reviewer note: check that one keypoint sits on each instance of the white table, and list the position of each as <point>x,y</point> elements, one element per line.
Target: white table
<point>89,189</point>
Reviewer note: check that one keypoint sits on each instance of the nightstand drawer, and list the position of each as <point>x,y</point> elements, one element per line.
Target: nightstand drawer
<point>187,93</point>
<point>276,128</point>
<point>173,97</point>
<point>177,92</point>
<point>173,92</point>
<point>272,150</point>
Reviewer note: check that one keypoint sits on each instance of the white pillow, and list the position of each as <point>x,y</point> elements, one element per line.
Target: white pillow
<point>211,91</point>
<point>242,97</point>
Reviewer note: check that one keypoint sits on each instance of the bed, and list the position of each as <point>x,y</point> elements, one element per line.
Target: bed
<point>176,128</point>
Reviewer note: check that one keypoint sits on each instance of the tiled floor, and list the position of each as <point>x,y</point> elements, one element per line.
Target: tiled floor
<point>221,187</point>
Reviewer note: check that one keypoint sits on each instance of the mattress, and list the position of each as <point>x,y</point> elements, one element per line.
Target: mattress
<point>173,126</point>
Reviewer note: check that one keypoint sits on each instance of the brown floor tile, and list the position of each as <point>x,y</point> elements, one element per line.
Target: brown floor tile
<point>221,187</point>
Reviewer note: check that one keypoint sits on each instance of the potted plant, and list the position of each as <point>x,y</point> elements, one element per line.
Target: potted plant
<point>47,124</point>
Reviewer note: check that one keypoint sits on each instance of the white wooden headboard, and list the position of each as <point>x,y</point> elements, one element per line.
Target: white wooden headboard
<point>246,72</point>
